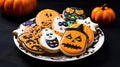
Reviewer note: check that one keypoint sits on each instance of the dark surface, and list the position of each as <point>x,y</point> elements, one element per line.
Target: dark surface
<point>107,56</point>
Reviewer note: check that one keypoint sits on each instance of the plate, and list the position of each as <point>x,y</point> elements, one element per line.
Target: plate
<point>97,44</point>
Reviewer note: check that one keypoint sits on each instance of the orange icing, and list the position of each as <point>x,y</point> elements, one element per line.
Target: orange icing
<point>46,17</point>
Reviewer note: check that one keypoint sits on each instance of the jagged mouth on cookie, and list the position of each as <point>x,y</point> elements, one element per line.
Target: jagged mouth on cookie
<point>52,43</point>
<point>72,46</point>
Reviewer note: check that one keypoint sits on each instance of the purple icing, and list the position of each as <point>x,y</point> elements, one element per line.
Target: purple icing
<point>27,23</point>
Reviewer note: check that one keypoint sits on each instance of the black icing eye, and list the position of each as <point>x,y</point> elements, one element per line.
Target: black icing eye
<point>87,22</point>
<point>78,38</point>
<point>50,14</point>
<point>46,14</point>
<point>47,34</point>
<point>51,33</point>
<point>60,23</point>
<point>69,36</point>
<point>65,24</point>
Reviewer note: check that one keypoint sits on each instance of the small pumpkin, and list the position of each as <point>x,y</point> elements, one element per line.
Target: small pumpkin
<point>103,15</point>
<point>17,7</point>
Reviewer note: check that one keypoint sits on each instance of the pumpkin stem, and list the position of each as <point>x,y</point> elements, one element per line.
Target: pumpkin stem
<point>103,7</point>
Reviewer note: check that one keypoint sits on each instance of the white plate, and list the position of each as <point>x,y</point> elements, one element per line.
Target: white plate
<point>97,44</point>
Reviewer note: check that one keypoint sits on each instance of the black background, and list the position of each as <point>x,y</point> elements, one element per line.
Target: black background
<point>107,56</point>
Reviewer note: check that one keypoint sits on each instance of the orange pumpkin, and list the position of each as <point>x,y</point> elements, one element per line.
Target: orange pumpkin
<point>17,7</point>
<point>103,15</point>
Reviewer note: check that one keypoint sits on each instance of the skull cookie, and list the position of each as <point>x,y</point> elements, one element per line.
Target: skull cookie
<point>49,40</point>
<point>59,25</point>
<point>46,17</point>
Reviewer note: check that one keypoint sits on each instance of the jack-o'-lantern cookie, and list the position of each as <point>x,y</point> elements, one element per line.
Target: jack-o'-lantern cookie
<point>74,41</point>
<point>70,14</point>
<point>50,41</point>
<point>88,31</point>
<point>30,43</point>
<point>46,17</point>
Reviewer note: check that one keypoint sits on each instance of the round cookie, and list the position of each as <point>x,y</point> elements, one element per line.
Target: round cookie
<point>74,41</point>
<point>50,41</point>
<point>30,43</point>
<point>88,31</point>
<point>46,17</point>
<point>70,14</point>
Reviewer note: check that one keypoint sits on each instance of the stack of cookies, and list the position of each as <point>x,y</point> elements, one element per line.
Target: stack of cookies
<point>70,33</point>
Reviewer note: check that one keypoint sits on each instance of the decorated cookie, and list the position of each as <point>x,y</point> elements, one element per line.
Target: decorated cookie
<point>30,43</point>
<point>59,25</point>
<point>22,26</point>
<point>70,14</point>
<point>46,17</point>
<point>49,40</point>
<point>88,31</point>
<point>88,22</point>
<point>74,41</point>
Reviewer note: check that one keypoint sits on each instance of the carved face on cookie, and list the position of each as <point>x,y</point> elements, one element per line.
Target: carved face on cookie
<point>59,24</point>
<point>46,17</point>
<point>73,41</point>
<point>49,40</point>
<point>72,13</point>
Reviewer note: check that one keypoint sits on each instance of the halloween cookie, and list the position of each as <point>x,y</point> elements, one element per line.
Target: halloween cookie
<point>87,21</point>
<point>49,41</point>
<point>30,43</point>
<point>46,17</point>
<point>88,32</point>
<point>59,25</point>
<point>22,27</point>
<point>74,41</point>
<point>70,14</point>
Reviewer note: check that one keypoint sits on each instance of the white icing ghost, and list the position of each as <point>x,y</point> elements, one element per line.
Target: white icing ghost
<point>50,40</point>
<point>88,22</point>
<point>59,24</point>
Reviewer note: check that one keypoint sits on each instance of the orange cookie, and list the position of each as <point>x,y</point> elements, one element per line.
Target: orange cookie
<point>30,43</point>
<point>88,31</point>
<point>74,41</point>
<point>46,17</point>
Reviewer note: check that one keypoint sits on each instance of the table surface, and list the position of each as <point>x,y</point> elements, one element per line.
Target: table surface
<point>107,56</point>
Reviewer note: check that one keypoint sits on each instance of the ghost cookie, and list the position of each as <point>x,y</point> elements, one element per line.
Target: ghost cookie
<point>70,14</point>
<point>30,43</point>
<point>89,23</point>
<point>50,41</point>
<point>88,31</point>
<point>46,17</point>
<point>59,25</point>
<point>74,41</point>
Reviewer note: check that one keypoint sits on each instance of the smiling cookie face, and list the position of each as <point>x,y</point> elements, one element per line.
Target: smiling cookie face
<point>50,41</point>
<point>46,17</point>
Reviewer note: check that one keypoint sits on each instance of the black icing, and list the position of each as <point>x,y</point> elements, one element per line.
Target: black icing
<point>52,43</point>
<point>72,46</point>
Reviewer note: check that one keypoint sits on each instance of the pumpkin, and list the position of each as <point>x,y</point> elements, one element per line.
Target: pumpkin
<point>17,7</point>
<point>74,41</point>
<point>103,15</point>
